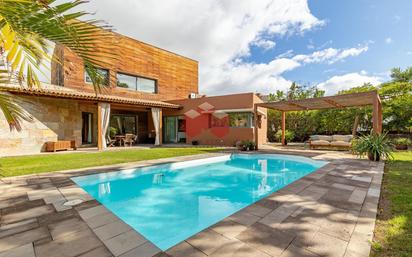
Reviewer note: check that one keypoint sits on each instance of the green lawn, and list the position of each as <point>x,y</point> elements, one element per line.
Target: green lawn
<point>393,231</point>
<point>22,165</point>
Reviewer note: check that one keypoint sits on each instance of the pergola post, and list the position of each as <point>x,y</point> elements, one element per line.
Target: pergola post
<point>377,115</point>
<point>283,127</point>
<point>256,129</point>
<point>99,128</point>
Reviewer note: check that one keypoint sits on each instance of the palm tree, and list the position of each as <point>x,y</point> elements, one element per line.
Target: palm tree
<point>28,29</point>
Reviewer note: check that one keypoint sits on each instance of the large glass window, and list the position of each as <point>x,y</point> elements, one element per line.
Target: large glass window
<point>136,83</point>
<point>103,73</point>
<point>233,119</point>
<point>241,119</point>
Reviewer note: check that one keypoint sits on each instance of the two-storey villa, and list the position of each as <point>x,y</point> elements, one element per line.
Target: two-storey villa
<point>149,92</point>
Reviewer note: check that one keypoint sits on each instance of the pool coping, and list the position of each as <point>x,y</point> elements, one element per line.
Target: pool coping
<point>296,198</point>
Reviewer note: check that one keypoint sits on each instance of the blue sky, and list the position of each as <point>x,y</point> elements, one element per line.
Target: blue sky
<point>262,46</point>
<point>384,26</point>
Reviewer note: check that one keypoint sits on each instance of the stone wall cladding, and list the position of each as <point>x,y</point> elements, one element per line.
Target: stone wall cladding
<point>54,119</point>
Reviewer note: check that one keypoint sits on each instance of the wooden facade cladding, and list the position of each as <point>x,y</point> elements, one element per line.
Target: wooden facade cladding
<point>176,76</point>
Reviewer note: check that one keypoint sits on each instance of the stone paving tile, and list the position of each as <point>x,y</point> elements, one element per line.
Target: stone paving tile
<point>303,231</point>
<point>22,206</point>
<point>359,244</point>
<point>74,192</point>
<point>265,239</point>
<point>208,241</point>
<point>244,217</point>
<point>43,193</point>
<point>362,178</point>
<point>340,225</point>
<point>101,220</point>
<point>299,185</point>
<point>258,210</point>
<point>111,230</point>
<point>27,214</point>
<point>69,246</point>
<point>53,217</point>
<point>10,202</point>
<point>21,251</point>
<point>294,251</point>
<point>274,218</point>
<point>145,250</point>
<point>228,228</point>
<point>357,196</point>
<point>326,245</point>
<point>67,227</point>
<point>375,192</point>
<point>23,238</point>
<point>184,249</point>
<point>343,186</point>
<point>237,248</point>
<point>15,228</point>
<point>92,212</point>
<point>268,203</point>
<point>124,242</point>
<point>97,252</point>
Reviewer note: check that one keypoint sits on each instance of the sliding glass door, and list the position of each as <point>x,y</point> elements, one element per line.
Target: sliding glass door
<point>170,129</point>
<point>174,129</point>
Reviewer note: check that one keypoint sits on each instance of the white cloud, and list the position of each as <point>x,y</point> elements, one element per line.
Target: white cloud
<point>388,40</point>
<point>330,55</point>
<point>349,80</point>
<point>214,32</point>
<point>265,44</point>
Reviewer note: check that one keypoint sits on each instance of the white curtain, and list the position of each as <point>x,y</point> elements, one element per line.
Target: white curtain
<point>105,114</point>
<point>156,122</point>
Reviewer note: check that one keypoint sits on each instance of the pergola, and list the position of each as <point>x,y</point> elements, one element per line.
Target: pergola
<point>327,102</point>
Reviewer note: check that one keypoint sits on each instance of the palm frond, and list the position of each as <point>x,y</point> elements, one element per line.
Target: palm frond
<point>28,26</point>
<point>12,111</point>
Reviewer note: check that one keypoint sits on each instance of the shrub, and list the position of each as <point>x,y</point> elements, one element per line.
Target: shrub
<point>289,135</point>
<point>401,141</point>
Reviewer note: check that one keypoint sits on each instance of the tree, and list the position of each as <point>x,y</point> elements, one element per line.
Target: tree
<point>28,29</point>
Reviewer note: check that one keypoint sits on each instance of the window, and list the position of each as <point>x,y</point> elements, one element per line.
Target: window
<point>241,119</point>
<point>233,119</point>
<point>103,73</point>
<point>136,83</point>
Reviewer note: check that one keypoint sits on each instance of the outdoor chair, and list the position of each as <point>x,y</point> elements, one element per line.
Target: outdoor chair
<point>110,142</point>
<point>129,139</point>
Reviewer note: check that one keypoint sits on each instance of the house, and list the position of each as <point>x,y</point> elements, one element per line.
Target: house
<point>149,92</point>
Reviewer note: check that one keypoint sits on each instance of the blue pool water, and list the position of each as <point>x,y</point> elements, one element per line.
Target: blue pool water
<point>169,203</point>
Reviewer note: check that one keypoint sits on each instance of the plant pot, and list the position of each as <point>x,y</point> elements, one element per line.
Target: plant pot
<point>373,158</point>
<point>401,147</point>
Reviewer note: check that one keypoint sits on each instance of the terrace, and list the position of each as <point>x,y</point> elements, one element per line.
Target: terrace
<point>330,212</point>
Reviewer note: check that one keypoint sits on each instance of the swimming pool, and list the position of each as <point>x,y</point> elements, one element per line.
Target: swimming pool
<point>170,202</point>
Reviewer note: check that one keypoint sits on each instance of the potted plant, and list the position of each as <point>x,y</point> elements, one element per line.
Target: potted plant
<point>375,146</point>
<point>401,143</point>
<point>247,145</point>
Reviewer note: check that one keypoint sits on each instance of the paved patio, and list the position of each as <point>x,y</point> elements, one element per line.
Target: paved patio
<point>330,212</point>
